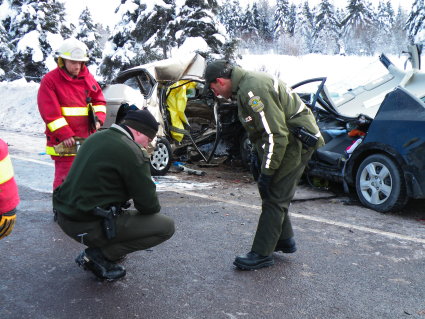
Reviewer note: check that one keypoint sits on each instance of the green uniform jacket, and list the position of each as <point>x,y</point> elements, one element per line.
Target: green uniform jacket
<point>110,168</point>
<point>268,109</point>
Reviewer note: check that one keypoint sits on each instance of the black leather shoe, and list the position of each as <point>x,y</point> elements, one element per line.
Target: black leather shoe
<point>286,246</point>
<point>93,259</point>
<point>55,215</point>
<point>252,261</point>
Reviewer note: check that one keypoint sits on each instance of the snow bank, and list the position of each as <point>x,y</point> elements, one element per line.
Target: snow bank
<point>18,107</point>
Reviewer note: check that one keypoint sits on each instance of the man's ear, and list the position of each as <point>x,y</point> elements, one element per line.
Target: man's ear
<point>220,81</point>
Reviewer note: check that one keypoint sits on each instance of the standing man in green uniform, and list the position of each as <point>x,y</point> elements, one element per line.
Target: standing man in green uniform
<point>284,134</point>
<point>112,167</point>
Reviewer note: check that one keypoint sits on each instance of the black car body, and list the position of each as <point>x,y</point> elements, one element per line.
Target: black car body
<point>381,157</point>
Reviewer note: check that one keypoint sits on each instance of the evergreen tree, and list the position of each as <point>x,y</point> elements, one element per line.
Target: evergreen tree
<point>292,20</point>
<point>281,18</point>
<point>384,23</point>
<point>144,34</point>
<point>32,25</point>
<point>266,23</point>
<point>6,53</point>
<point>399,36</point>
<point>328,29</point>
<point>358,28</point>
<point>229,16</point>
<point>197,18</point>
<point>416,22</point>
<point>249,30</point>
<point>87,32</point>
<point>307,28</point>
<point>122,49</point>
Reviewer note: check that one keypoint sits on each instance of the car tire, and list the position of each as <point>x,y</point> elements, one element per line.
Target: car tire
<point>380,184</point>
<point>161,157</point>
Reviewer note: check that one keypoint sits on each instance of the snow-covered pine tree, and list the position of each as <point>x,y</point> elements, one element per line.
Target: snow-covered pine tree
<point>6,53</point>
<point>292,20</point>
<point>230,15</point>
<point>399,36</point>
<point>198,18</point>
<point>33,26</point>
<point>144,34</point>
<point>281,25</point>
<point>249,30</point>
<point>415,23</point>
<point>280,19</point>
<point>266,21</point>
<point>328,28</point>
<point>384,23</point>
<point>358,28</point>
<point>307,28</point>
<point>87,32</point>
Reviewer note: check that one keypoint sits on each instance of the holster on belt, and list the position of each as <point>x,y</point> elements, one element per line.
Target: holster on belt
<point>109,220</point>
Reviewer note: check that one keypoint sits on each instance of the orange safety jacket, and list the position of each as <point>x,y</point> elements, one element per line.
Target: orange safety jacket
<point>63,102</point>
<point>9,197</point>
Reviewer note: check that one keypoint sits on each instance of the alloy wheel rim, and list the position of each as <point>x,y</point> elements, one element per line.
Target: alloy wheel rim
<point>376,183</point>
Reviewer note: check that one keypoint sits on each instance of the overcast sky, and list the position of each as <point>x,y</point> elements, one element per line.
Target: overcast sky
<point>103,10</point>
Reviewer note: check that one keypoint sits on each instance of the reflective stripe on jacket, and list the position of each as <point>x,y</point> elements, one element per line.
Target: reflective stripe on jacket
<point>268,110</point>
<point>62,102</point>
<point>9,197</point>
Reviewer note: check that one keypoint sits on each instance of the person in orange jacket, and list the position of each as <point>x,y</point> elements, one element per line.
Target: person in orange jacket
<point>9,197</point>
<point>71,104</point>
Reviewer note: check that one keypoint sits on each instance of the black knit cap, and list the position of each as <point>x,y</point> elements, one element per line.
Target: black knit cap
<point>142,121</point>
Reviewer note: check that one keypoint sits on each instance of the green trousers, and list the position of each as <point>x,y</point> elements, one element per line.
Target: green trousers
<point>274,223</point>
<point>134,232</point>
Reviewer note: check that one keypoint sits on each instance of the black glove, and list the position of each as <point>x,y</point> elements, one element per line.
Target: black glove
<point>255,166</point>
<point>264,182</point>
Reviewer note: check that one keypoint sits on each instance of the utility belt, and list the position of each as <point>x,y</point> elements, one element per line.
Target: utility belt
<point>306,138</point>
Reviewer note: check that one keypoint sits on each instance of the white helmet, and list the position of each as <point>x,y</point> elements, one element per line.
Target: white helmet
<point>72,49</point>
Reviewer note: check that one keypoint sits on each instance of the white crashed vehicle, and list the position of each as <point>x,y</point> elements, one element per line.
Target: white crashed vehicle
<point>172,91</point>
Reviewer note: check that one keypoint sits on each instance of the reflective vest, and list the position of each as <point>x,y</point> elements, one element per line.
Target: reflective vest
<point>9,197</point>
<point>64,104</point>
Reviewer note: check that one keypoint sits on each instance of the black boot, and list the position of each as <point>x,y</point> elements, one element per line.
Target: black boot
<point>93,259</point>
<point>286,246</point>
<point>252,261</point>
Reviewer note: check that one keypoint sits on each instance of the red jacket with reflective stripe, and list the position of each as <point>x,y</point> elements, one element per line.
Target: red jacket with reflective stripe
<point>9,197</point>
<point>58,90</point>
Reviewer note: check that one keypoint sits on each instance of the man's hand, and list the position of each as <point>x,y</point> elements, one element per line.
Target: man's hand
<point>255,165</point>
<point>98,125</point>
<point>264,182</point>
<point>69,142</point>
<point>7,222</point>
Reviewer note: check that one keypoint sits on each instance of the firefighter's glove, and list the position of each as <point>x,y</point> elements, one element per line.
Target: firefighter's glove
<point>264,182</point>
<point>7,222</point>
<point>255,165</point>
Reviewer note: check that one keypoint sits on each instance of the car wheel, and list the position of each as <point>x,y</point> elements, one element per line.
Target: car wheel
<point>380,184</point>
<point>161,157</point>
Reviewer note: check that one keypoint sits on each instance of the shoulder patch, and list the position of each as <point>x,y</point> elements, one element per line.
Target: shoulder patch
<point>256,104</point>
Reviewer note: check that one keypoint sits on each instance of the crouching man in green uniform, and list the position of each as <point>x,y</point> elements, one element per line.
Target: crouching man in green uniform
<point>112,167</point>
<point>284,134</point>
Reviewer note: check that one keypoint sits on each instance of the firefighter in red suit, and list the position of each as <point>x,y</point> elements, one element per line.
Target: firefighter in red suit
<point>67,97</point>
<point>9,197</point>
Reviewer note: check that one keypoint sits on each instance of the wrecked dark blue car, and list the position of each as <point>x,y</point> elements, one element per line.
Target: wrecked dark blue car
<point>382,158</point>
